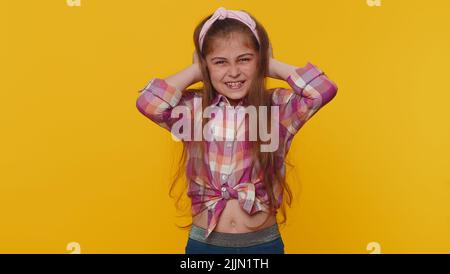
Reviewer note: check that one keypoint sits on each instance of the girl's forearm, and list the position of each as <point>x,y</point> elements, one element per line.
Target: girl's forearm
<point>183,79</point>
<point>280,70</point>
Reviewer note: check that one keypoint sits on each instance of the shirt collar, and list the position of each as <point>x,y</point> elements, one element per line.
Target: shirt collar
<point>221,98</point>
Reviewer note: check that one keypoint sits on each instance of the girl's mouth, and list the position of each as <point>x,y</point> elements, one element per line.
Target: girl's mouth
<point>235,85</point>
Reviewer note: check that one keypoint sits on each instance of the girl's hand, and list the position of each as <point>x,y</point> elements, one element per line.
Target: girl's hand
<point>195,59</point>
<point>279,70</point>
<point>272,68</point>
<point>197,73</point>
<point>271,72</point>
<point>270,50</point>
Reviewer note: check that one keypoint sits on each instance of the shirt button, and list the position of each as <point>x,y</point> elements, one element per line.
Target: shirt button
<point>224,176</point>
<point>225,193</point>
<point>229,144</point>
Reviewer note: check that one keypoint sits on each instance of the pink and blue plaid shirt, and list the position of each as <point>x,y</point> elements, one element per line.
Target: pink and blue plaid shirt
<point>227,171</point>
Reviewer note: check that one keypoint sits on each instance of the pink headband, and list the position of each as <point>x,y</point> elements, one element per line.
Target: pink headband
<point>220,14</point>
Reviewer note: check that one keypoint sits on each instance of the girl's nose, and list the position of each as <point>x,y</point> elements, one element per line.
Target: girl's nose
<point>234,71</point>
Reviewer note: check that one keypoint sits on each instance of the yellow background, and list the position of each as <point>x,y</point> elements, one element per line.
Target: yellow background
<point>79,163</point>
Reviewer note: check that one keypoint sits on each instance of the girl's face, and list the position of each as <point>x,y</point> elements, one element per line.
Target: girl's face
<point>232,66</point>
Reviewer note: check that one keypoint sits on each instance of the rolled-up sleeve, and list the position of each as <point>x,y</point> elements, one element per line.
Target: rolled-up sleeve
<point>311,90</point>
<point>157,100</point>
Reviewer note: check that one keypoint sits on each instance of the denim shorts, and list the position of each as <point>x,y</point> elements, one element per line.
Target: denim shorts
<point>265,241</point>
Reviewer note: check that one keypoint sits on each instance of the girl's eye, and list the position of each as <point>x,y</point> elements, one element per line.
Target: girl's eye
<point>243,59</point>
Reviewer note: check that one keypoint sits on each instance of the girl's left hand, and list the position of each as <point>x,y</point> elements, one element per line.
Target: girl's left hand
<point>270,50</point>
<point>271,72</point>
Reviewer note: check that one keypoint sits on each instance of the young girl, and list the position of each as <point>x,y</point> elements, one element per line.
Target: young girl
<point>235,187</point>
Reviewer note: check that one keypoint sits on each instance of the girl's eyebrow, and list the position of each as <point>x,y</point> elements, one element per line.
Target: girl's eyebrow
<point>236,58</point>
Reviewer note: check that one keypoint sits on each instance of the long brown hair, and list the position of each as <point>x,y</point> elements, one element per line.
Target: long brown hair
<point>258,95</point>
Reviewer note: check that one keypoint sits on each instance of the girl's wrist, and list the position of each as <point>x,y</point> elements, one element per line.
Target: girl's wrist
<point>280,70</point>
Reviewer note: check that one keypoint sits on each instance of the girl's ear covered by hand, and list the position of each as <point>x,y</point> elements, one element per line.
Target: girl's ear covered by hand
<point>195,59</point>
<point>270,50</point>
<point>197,73</point>
<point>271,73</point>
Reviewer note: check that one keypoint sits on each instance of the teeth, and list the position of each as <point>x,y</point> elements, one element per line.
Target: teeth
<point>235,85</point>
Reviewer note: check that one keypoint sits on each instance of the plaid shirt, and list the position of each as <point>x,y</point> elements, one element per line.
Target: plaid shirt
<point>226,171</point>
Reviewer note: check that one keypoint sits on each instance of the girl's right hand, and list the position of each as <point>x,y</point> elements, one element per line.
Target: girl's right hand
<point>195,59</point>
<point>196,68</point>
<point>270,50</point>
